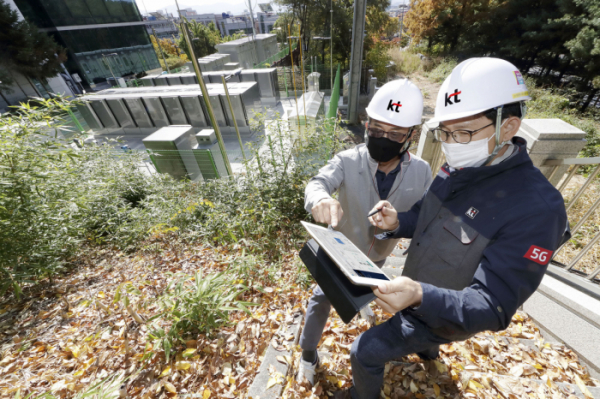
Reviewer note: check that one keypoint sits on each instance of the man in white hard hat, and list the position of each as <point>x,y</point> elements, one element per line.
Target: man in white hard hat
<point>381,169</point>
<point>482,236</point>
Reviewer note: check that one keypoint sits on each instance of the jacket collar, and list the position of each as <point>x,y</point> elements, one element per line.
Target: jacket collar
<point>469,176</point>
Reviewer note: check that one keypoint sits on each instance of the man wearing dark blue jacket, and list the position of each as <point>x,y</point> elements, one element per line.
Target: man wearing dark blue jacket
<point>482,235</point>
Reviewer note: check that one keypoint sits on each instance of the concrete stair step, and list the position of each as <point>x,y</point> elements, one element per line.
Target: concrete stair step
<point>571,317</point>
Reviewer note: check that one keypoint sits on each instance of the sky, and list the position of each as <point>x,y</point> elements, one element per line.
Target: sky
<point>201,6</point>
<point>208,6</point>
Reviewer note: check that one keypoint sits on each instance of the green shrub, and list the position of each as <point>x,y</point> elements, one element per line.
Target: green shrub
<point>546,103</point>
<point>54,198</point>
<point>41,208</point>
<point>194,305</point>
<point>442,70</point>
<point>406,62</point>
<point>378,59</point>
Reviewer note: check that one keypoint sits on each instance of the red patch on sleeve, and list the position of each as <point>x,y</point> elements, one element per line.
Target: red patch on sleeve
<point>539,255</point>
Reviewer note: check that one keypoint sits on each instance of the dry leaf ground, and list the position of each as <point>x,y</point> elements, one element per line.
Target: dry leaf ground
<point>65,336</point>
<point>485,366</point>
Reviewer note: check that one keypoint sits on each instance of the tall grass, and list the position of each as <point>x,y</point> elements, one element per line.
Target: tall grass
<point>406,61</point>
<point>442,70</point>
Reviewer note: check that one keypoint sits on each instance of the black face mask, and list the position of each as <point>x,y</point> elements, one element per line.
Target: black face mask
<point>383,150</point>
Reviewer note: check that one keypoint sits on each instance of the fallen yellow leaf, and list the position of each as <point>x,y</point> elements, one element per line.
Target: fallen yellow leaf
<point>170,387</point>
<point>189,352</point>
<point>165,372</point>
<point>206,394</point>
<point>436,389</point>
<point>583,388</point>
<point>272,381</point>
<point>183,365</point>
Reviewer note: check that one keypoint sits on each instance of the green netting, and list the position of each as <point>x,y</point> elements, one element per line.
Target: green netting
<point>276,57</point>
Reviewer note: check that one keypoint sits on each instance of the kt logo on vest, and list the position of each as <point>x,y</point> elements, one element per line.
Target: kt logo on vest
<point>449,98</point>
<point>393,104</point>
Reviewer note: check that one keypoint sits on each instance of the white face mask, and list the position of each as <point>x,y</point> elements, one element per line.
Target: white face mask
<point>468,155</point>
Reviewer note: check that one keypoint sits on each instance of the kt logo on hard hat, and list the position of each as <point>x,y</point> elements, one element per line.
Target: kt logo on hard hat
<point>391,105</point>
<point>398,103</point>
<point>449,98</point>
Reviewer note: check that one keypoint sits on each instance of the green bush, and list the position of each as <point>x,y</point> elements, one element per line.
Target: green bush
<point>442,70</point>
<point>41,208</point>
<point>546,103</point>
<point>406,62</point>
<point>378,59</point>
<point>54,198</point>
<point>194,305</point>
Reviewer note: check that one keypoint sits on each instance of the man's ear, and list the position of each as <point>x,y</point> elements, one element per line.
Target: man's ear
<point>510,128</point>
<point>367,124</point>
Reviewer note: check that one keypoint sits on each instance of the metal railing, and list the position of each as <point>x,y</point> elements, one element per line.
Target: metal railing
<point>576,163</point>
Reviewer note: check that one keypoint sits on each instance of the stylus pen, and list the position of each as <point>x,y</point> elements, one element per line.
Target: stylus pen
<point>374,212</point>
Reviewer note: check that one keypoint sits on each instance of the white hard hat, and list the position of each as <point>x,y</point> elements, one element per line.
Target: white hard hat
<point>398,102</point>
<point>476,85</point>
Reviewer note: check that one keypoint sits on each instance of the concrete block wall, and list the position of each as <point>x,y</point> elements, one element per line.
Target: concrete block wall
<point>551,139</point>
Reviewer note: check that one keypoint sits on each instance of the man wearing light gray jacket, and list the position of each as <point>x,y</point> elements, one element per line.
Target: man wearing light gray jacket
<point>362,176</point>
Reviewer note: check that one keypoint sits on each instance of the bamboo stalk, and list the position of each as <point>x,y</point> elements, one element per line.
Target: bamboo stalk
<point>294,78</point>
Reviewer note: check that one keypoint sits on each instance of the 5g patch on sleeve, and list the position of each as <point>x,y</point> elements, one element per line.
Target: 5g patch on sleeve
<point>539,255</point>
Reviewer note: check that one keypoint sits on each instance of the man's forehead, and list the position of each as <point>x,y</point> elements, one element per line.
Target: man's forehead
<point>463,122</point>
<point>384,124</point>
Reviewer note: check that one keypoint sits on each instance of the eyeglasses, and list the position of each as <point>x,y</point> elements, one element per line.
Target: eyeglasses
<point>396,136</point>
<point>461,136</point>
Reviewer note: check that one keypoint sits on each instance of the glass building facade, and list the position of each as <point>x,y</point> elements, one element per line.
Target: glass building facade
<point>103,37</point>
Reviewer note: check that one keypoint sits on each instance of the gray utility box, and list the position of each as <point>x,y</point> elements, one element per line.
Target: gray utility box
<point>268,84</point>
<point>121,113</point>
<point>174,109</point>
<point>208,155</point>
<point>230,66</point>
<point>161,80</point>
<point>89,115</point>
<point>206,137</point>
<point>131,110</point>
<point>148,80</point>
<point>171,151</point>
<point>551,139</point>
<point>105,114</point>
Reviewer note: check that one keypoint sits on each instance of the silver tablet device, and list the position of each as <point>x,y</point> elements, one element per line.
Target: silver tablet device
<point>355,265</point>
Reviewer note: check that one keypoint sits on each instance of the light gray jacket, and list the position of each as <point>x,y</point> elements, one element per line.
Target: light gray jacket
<point>352,172</point>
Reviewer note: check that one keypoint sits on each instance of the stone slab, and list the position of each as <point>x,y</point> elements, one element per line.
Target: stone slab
<point>552,129</point>
<point>585,306</point>
<point>557,147</point>
<point>258,389</point>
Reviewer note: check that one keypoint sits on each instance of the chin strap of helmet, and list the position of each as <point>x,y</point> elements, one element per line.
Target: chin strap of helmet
<point>498,145</point>
<point>406,145</point>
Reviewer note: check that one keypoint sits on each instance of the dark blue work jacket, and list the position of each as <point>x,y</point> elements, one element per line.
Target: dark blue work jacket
<point>482,239</point>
